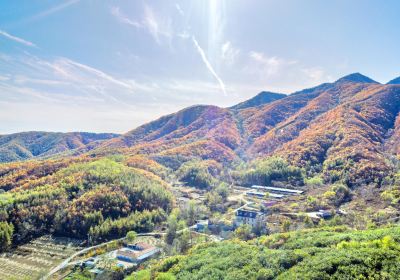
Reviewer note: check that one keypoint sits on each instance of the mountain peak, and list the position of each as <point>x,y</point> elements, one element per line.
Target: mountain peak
<point>262,98</point>
<point>356,78</point>
<point>395,81</point>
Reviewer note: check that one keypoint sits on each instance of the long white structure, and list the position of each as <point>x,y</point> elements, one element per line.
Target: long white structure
<point>277,190</point>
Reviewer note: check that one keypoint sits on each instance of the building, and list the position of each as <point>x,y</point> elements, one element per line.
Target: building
<point>264,194</point>
<point>90,263</point>
<point>137,253</point>
<point>277,190</point>
<point>201,225</point>
<point>324,214</point>
<point>250,217</point>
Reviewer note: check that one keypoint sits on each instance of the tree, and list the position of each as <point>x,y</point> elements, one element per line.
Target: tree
<point>143,274</point>
<point>286,226</point>
<point>165,276</point>
<point>184,239</point>
<point>131,236</point>
<point>338,194</point>
<point>6,232</point>
<point>215,202</point>
<point>172,228</point>
<point>191,213</point>
<point>223,191</point>
<point>272,169</point>
<point>243,232</point>
<point>196,173</point>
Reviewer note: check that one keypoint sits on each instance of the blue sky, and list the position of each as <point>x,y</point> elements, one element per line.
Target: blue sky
<point>109,66</point>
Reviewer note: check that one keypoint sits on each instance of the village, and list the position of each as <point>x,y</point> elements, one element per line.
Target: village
<point>251,209</point>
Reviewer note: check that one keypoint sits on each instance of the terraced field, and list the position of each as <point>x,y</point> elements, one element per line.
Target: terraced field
<point>34,260</point>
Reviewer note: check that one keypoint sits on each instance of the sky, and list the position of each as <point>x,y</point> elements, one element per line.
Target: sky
<point>110,66</point>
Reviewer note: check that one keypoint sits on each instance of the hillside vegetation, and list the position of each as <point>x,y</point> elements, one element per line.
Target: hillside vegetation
<point>104,198</point>
<point>324,253</point>
<point>29,145</point>
<point>338,142</point>
<point>346,130</point>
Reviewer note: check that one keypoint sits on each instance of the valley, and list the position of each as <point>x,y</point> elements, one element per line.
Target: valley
<point>321,163</point>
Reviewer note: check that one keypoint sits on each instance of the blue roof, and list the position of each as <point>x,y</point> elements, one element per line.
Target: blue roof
<point>246,213</point>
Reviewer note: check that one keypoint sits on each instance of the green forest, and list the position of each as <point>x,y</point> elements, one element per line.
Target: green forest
<point>323,253</point>
<point>98,200</point>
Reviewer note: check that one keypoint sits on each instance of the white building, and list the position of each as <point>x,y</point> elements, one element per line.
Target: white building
<point>249,217</point>
<point>137,253</point>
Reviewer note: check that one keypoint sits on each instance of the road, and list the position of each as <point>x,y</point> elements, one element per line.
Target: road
<point>67,261</point>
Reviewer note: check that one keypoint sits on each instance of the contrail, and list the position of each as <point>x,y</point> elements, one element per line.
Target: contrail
<point>55,9</point>
<point>208,65</point>
<point>17,39</point>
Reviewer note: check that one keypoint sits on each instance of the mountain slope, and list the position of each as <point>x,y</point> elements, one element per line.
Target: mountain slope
<point>262,98</point>
<point>349,139</point>
<point>319,101</point>
<point>189,124</point>
<point>356,78</point>
<point>395,81</point>
<point>198,131</point>
<point>348,128</point>
<point>27,145</point>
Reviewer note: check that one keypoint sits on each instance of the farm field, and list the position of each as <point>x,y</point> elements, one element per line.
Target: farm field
<point>34,259</point>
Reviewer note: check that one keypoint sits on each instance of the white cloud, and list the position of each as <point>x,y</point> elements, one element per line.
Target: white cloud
<point>179,9</point>
<point>158,27</point>
<point>155,25</point>
<point>271,64</point>
<point>314,73</point>
<point>317,75</point>
<point>229,53</point>
<point>281,74</point>
<point>67,68</point>
<point>17,39</point>
<point>208,65</point>
<point>26,80</point>
<point>54,9</point>
<point>4,78</point>
<point>63,80</point>
<point>116,12</point>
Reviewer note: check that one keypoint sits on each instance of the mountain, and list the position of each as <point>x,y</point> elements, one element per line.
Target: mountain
<point>262,98</point>
<point>28,145</point>
<point>348,126</point>
<point>198,131</point>
<point>356,78</point>
<point>339,142</point>
<point>395,81</point>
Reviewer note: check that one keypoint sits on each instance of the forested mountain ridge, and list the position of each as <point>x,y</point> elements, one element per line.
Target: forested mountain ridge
<point>262,98</point>
<point>36,144</point>
<point>395,81</point>
<point>348,126</point>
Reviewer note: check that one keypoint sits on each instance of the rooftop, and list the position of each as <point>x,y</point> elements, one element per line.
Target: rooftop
<point>277,189</point>
<point>265,194</point>
<point>137,250</point>
<point>144,246</point>
<point>247,213</point>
